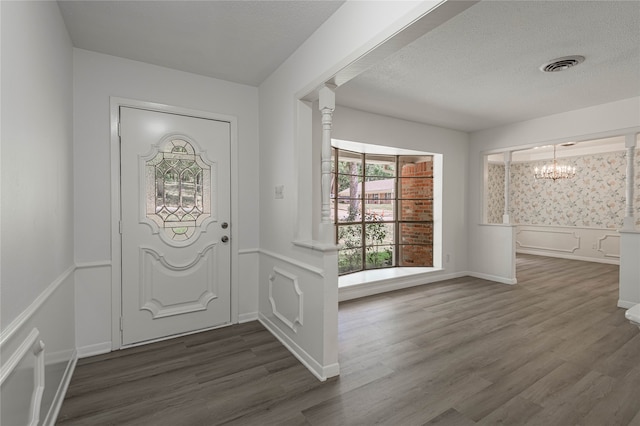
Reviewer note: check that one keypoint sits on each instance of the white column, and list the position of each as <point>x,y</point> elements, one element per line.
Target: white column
<point>327,104</point>
<point>507,187</point>
<point>629,293</point>
<point>629,220</point>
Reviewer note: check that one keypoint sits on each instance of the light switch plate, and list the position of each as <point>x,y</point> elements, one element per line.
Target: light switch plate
<point>279,191</point>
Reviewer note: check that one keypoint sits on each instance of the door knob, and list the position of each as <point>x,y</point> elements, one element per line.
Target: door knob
<point>224,238</point>
<point>224,225</point>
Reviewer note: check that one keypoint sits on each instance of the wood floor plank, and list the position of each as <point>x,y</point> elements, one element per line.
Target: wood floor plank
<point>514,412</point>
<point>621,362</point>
<point>619,406</point>
<point>545,389</point>
<point>491,398</point>
<point>451,417</point>
<point>570,405</point>
<point>552,350</point>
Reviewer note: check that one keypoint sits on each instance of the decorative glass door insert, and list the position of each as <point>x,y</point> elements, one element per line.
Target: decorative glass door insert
<point>178,189</point>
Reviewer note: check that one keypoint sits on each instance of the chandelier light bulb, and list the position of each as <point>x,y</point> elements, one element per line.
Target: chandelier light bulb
<point>555,171</point>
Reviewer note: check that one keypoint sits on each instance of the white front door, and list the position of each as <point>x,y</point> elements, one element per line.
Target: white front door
<point>175,212</point>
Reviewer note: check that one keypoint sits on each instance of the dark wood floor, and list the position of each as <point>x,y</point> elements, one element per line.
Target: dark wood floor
<point>552,350</point>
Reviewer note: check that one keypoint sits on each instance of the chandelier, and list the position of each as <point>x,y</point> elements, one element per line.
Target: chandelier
<point>555,171</point>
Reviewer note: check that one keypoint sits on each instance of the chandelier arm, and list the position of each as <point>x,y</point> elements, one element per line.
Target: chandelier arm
<point>555,172</point>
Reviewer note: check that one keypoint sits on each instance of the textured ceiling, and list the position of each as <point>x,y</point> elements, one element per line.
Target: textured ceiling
<point>238,41</point>
<point>477,70</point>
<point>480,69</point>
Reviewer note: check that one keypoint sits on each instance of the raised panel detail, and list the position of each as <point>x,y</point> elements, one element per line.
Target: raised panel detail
<point>22,382</point>
<point>166,291</point>
<point>609,245</point>
<point>560,241</point>
<point>286,298</point>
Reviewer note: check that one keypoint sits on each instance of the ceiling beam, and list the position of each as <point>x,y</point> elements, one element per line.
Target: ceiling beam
<point>418,28</point>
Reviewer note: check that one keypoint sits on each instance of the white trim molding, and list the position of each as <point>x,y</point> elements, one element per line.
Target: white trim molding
<point>626,304</point>
<point>297,314</point>
<point>609,261</point>
<point>90,265</point>
<point>93,350</point>
<point>116,256</point>
<point>369,288</point>
<point>496,278</point>
<point>31,344</point>
<point>58,399</point>
<point>249,251</point>
<point>247,317</point>
<point>575,239</point>
<point>603,251</point>
<point>317,369</point>
<point>600,245</point>
<point>317,245</point>
<point>24,316</point>
<point>294,262</point>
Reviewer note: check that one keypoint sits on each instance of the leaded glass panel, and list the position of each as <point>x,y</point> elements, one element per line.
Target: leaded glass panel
<point>178,189</point>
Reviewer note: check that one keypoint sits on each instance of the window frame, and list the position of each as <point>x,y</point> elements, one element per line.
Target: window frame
<point>396,201</point>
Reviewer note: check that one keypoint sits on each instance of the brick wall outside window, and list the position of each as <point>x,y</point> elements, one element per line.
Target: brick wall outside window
<point>416,216</point>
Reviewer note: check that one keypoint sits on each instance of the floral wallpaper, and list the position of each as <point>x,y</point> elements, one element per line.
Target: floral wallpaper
<point>595,197</point>
<point>495,199</point>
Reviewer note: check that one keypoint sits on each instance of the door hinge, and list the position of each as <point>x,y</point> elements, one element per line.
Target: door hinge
<point>119,129</point>
<point>121,327</point>
<point>120,227</point>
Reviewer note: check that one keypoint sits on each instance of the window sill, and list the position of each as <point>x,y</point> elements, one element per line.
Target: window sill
<point>367,283</point>
<point>374,276</point>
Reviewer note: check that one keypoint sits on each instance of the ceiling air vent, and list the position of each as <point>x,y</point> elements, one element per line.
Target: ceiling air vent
<point>561,64</point>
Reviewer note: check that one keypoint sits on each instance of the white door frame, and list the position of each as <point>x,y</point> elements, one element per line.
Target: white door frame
<point>116,248</point>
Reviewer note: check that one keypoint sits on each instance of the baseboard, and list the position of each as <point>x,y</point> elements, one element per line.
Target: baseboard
<point>93,350</point>
<point>626,304</point>
<point>56,404</point>
<point>251,316</point>
<point>613,261</point>
<point>321,372</point>
<point>496,278</point>
<point>392,284</point>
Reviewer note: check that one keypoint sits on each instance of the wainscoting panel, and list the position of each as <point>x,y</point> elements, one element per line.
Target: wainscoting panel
<point>286,298</point>
<point>295,303</point>
<point>38,354</point>
<point>609,245</point>
<point>21,375</point>
<point>589,244</point>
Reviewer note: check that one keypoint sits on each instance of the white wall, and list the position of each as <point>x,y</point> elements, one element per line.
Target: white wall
<point>348,34</point>
<point>359,126</point>
<point>97,77</point>
<point>588,123</point>
<point>37,173</point>
<point>37,201</point>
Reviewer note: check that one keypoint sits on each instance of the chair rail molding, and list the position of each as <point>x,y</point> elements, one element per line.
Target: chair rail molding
<point>32,344</point>
<point>310,268</point>
<point>25,315</point>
